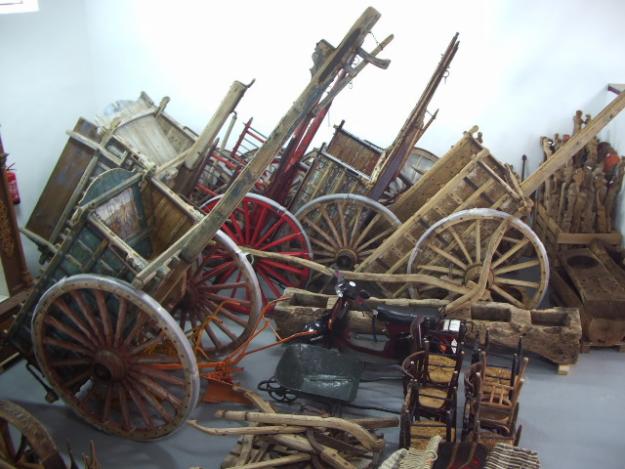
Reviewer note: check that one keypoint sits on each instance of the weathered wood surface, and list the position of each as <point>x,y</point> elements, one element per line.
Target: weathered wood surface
<point>301,307</point>
<point>328,441</point>
<point>359,154</point>
<point>135,123</point>
<point>437,176</point>
<point>481,183</point>
<point>553,333</point>
<point>65,184</point>
<point>590,280</point>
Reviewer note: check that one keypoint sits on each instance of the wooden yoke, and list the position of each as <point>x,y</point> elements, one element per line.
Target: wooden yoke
<point>195,240</point>
<point>573,146</point>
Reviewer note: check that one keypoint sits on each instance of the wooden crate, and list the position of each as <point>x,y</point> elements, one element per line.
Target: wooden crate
<point>590,280</point>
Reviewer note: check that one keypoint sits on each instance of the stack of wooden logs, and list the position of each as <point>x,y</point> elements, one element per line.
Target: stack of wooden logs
<point>275,439</point>
<point>581,196</point>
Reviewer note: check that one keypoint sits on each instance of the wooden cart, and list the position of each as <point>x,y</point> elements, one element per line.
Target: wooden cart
<point>101,324</point>
<point>463,239</point>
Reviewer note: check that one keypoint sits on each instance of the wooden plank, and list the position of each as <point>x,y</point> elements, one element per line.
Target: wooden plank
<point>62,183</point>
<point>437,176</point>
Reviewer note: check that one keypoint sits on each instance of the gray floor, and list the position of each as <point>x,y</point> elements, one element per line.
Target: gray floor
<point>574,421</point>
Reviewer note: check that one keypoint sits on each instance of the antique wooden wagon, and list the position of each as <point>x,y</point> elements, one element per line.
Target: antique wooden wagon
<point>135,262</point>
<point>462,238</point>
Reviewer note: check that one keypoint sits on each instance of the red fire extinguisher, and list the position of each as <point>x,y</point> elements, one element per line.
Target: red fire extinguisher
<point>12,182</point>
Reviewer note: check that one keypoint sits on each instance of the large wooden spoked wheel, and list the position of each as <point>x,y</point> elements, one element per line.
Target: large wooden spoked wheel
<point>24,441</point>
<point>454,249</point>
<point>222,303</point>
<point>115,356</point>
<point>343,230</point>
<point>264,225</point>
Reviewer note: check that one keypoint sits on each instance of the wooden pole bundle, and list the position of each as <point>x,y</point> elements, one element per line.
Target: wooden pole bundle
<point>275,439</point>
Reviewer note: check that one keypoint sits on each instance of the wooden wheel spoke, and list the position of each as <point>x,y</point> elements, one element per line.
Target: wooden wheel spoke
<point>69,313</point>
<point>121,321</point>
<point>279,241</point>
<point>478,242</point>
<point>385,234</point>
<point>138,370</point>
<point>327,249</point>
<point>139,404</point>
<point>260,222</point>
<point>366,229</point>
<point>105,316</point>
<point>272,229</point>
<point>87,312</point>
<point>140,323</point>
<point>448,256</point>
<point>123,406</point>
<point>356,224</point>
<point>340,207</point>
<point>516,282</point>
<point>510,252</point>
<point>269,282</point>
<point>235,318</point>
<point>220,324</point>
<point>511,299</point>
<point>149,344</point>
<point>74,334</point>
<point>154,402</point>
<point>159,390</point>
<point>323,234</point>
<point>516,267</point>
<point>213,337</point>
<point>286,267</point>
<point>331,225</point>
<point>67,346</point>
<point>273,274</point>
<point>461,244</point>
<point>70,362</point>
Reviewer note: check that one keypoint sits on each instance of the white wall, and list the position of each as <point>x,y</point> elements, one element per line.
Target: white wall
<point>45,86</point>
<point>522,70</point>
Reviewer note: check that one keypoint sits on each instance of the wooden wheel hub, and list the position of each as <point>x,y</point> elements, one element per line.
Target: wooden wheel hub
<point>346,259</point>
<point>472,274</point>
<point>109,366</point>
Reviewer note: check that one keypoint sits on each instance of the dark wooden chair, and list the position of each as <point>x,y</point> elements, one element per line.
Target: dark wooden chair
<point>495,405</point>
<point>430,399</point>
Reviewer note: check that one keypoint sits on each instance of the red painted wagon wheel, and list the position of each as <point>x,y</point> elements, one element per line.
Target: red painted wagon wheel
<point>115,356</point>
<point>222,302</point>
<point>264,225</point>
<point>24,441</point>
